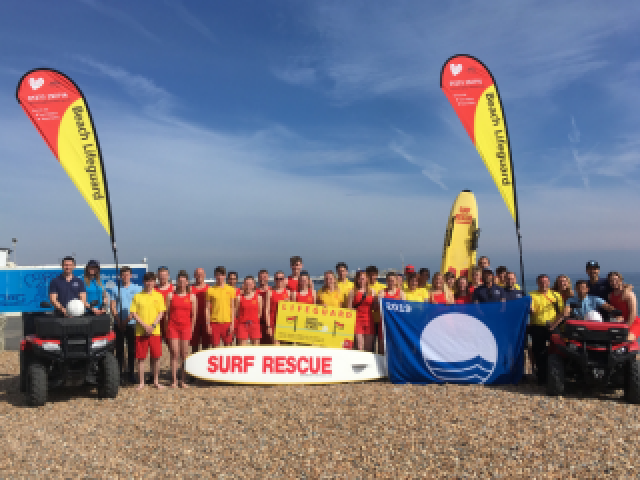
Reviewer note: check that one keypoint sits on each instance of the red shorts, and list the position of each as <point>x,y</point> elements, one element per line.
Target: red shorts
<point>146,343</point>
<point>220,331</point>
<point>181,332</point>
<point>366,328</point>
<point>248,330</point>
<point>200,335</point>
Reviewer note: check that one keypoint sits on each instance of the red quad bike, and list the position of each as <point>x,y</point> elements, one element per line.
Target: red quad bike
<point>595,354</point>
<point>57,352</point>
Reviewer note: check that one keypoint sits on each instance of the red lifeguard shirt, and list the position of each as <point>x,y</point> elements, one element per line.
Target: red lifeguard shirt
<point>165,291</point>
<point>292,284</point>
<point>304,297</point>
<point>201,298</point>
<point>273,305</point>
<point>180,311</point>
<point>248,308</point>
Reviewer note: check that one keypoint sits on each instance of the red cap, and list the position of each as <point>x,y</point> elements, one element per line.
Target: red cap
<point>409,269</point>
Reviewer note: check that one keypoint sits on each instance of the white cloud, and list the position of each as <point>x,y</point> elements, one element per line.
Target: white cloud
<point>190,19</point>
<point>139,87</point>
<point>121,17</point>
<point>380,48</point>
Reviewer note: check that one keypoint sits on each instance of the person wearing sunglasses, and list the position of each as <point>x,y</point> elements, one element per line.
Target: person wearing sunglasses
<point>277,294</point>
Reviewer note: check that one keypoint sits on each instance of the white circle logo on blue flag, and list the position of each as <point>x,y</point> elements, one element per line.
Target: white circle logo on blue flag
<point>459,348</point>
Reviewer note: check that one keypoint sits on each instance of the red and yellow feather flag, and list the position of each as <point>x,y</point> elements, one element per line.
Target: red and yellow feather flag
<point>473,93</point>
<point>59,111</point>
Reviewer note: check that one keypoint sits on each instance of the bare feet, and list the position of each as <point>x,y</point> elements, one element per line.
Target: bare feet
<point>174,385</point>
<point>158,386</point>
<point>184,385</point>
<point>140,386</point>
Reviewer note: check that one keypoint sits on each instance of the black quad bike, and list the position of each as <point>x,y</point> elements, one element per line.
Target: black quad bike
<point>597,355</point>
<point>61,351</point>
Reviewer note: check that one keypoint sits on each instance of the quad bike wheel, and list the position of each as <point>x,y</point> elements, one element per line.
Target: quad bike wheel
<point>555,375</point>
<point>36,385</point>
<point>632,382</point>
<point>109,377</point>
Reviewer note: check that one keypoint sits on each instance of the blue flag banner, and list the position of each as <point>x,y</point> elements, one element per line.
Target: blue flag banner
<point>472,343</point>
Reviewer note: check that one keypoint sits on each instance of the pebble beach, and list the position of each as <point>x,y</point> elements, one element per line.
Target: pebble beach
<point>359,430</point>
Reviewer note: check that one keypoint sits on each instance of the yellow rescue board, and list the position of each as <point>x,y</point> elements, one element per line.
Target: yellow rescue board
<point>461,236</point>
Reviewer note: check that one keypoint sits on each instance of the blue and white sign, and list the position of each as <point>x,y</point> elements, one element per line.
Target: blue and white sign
<point>23,288</point>
<point>474,343</point>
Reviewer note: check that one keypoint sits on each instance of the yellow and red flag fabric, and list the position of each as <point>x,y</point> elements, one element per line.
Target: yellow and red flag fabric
<point>59,111</point>
<point>473,93</point>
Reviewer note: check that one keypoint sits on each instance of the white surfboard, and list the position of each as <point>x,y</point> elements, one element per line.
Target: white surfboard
<point>286,364</point>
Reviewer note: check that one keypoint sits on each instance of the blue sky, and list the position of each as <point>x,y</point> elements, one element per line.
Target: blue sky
<point>240,133</point>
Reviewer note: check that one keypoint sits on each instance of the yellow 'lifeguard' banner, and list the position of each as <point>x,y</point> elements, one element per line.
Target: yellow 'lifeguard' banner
<point>472,91</point>
<point>57,108</point>
<point>315,325</point>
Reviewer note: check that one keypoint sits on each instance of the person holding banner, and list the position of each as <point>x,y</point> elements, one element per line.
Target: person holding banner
<point>439,292</point>
<point>329,295</point>
<point>305,292</point>
<point>423,279</point>
<point>277,294</point>
<point>461,291</point>
<point>95,291</point>
<point>248,308</point>
<point>414,293</point>
<point>148,309</point>
<point>363,300</point>
<point>476,279</point>
<point>392,290</point>
<point>450,281</point>
<point>547,308</point>
<point>183,309</point>
<point>488,292</point>
<point>199,289</point>
<point>344,284</point>
<point>263,289</point>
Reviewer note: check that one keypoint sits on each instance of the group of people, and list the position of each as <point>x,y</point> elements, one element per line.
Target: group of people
<point>198,315</point>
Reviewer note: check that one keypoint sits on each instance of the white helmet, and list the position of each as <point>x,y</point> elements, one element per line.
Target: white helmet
<point>75,308</point>
<point>593,316</point>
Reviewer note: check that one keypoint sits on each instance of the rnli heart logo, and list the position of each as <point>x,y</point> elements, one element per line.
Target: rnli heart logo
<point>36,83</point>
<point>456,69</point>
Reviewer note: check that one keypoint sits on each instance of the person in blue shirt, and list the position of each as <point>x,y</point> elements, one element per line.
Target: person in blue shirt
<point>125,324</point>
<point>96,293</point>
<point>510,291</point>
<point>583,303</point>
<point>66,287</point>
<point>488,292</point>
